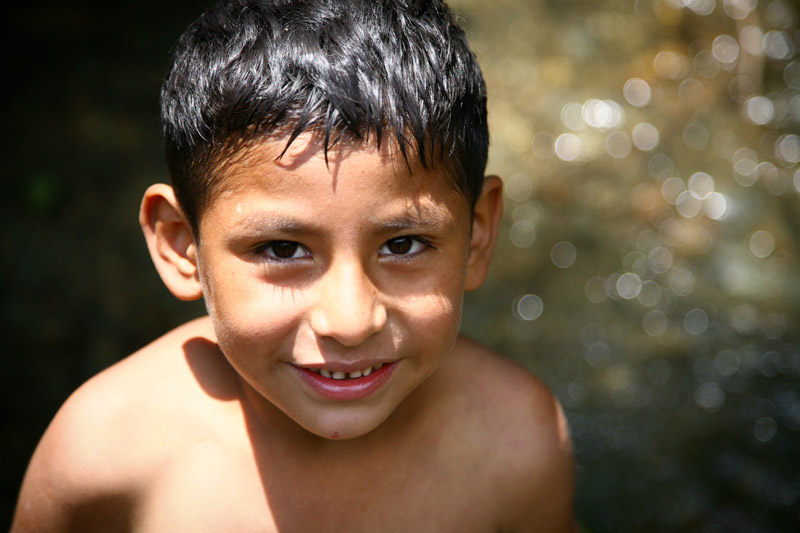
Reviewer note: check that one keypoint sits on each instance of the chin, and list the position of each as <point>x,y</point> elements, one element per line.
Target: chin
<point>341,426</point>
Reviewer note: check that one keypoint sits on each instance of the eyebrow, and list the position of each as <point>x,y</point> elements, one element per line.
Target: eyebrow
<point>427,219</point>
<point>259,222</point>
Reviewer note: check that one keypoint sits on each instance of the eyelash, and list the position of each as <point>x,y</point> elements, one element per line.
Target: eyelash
<point>409,256</point>
<point>425,245</point>
<point>264,252</point>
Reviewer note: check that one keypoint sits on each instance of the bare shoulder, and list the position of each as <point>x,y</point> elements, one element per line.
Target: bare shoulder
<point>107,441</point>
<point>524,431</point>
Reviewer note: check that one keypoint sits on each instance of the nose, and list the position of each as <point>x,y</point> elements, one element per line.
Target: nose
<point>347,307</point>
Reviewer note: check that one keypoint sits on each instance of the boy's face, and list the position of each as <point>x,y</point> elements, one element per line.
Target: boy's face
<point>313,273</point>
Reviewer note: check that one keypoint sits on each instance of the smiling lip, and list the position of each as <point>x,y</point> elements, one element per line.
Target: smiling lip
<point>348,388</point>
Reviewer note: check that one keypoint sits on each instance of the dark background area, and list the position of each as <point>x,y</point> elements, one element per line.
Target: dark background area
<point>81,143</point>
<point>680,376</point>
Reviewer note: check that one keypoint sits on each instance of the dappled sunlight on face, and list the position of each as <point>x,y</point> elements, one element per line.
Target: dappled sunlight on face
<point>350,261</point>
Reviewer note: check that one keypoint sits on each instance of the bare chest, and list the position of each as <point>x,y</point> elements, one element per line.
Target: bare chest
<point>210,491</point>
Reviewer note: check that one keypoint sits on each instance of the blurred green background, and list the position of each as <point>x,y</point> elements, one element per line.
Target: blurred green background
<point>647,268</point>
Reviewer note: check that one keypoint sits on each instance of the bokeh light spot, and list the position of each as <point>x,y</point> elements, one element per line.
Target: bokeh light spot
<point>751,40</point>
<point>518,187</point>
<point>650,294</point>
<point>727,362</point>
<point>762,243</point>
<point>645,136</point>
<point>791,74</point>
<point>759,109</point>
<point>738,9</point>
<point>787,148</point>
<point>595,289</point>
<point>709,396</point>
<point>725,50</point>
<point>701,185</point>
<point>529,307</point>
<point>671,190</point>
<point>569,147</point>
<point>744,162</point>
<point>660,260</point>
<point>597,354</point>
<point>563,254</point>
<point>602,114</point>
<point>695,322</point>
<point>522,234</point>
<point>780,15</point>
<point>660,166</point>
<point>688,206</point>
<point>765,428</point>
<point>637,92</point>
<point>776,270</point>
<point>701,7</point>
<point>696,136</point>
<point>629,285</point>
<point>775,181</point>
<point>706,64</point>
<point>716,206</point>
<point>682,281</point>
<point>571,116</point>
<point>744,319</point>
<point>670,65</point>
<point>618,145</point>
<point>778,45</point>
<point>655,323</point>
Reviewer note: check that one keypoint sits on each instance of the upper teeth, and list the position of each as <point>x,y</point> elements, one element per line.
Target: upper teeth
<point>351,375</point>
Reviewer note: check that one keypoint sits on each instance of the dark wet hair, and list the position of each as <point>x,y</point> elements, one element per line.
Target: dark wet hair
<point>253,70</point>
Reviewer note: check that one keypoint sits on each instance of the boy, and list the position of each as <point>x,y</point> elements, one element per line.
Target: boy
<point>329,205</point>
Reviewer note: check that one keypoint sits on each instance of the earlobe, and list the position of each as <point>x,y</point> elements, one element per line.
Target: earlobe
<point>170,242</point>
<point>485,224</point>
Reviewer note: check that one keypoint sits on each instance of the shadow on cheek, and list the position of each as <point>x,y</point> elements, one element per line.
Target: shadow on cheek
<point>210,368</point>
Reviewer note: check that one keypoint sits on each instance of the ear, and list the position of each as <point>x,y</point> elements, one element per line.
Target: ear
<point>485,223</point>
<point>170,242</point>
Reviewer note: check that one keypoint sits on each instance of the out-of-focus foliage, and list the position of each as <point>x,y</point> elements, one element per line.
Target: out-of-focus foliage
<point>647,268</point>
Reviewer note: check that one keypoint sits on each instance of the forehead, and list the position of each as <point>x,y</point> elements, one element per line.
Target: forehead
<point>356,177</point>
<point>272,165</point>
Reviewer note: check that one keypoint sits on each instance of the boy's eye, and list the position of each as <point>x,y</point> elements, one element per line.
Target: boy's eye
<point>403,246</point>
<point>283,250</point>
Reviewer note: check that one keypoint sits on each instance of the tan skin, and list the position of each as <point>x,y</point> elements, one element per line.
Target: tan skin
<point>305,266</point>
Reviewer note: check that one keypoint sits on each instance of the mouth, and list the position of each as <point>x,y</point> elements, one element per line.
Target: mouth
<point>338,374</point>
<point>338,385</point>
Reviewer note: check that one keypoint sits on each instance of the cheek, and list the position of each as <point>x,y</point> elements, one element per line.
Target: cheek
<point>253,312</point>
<point>434,318</point>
